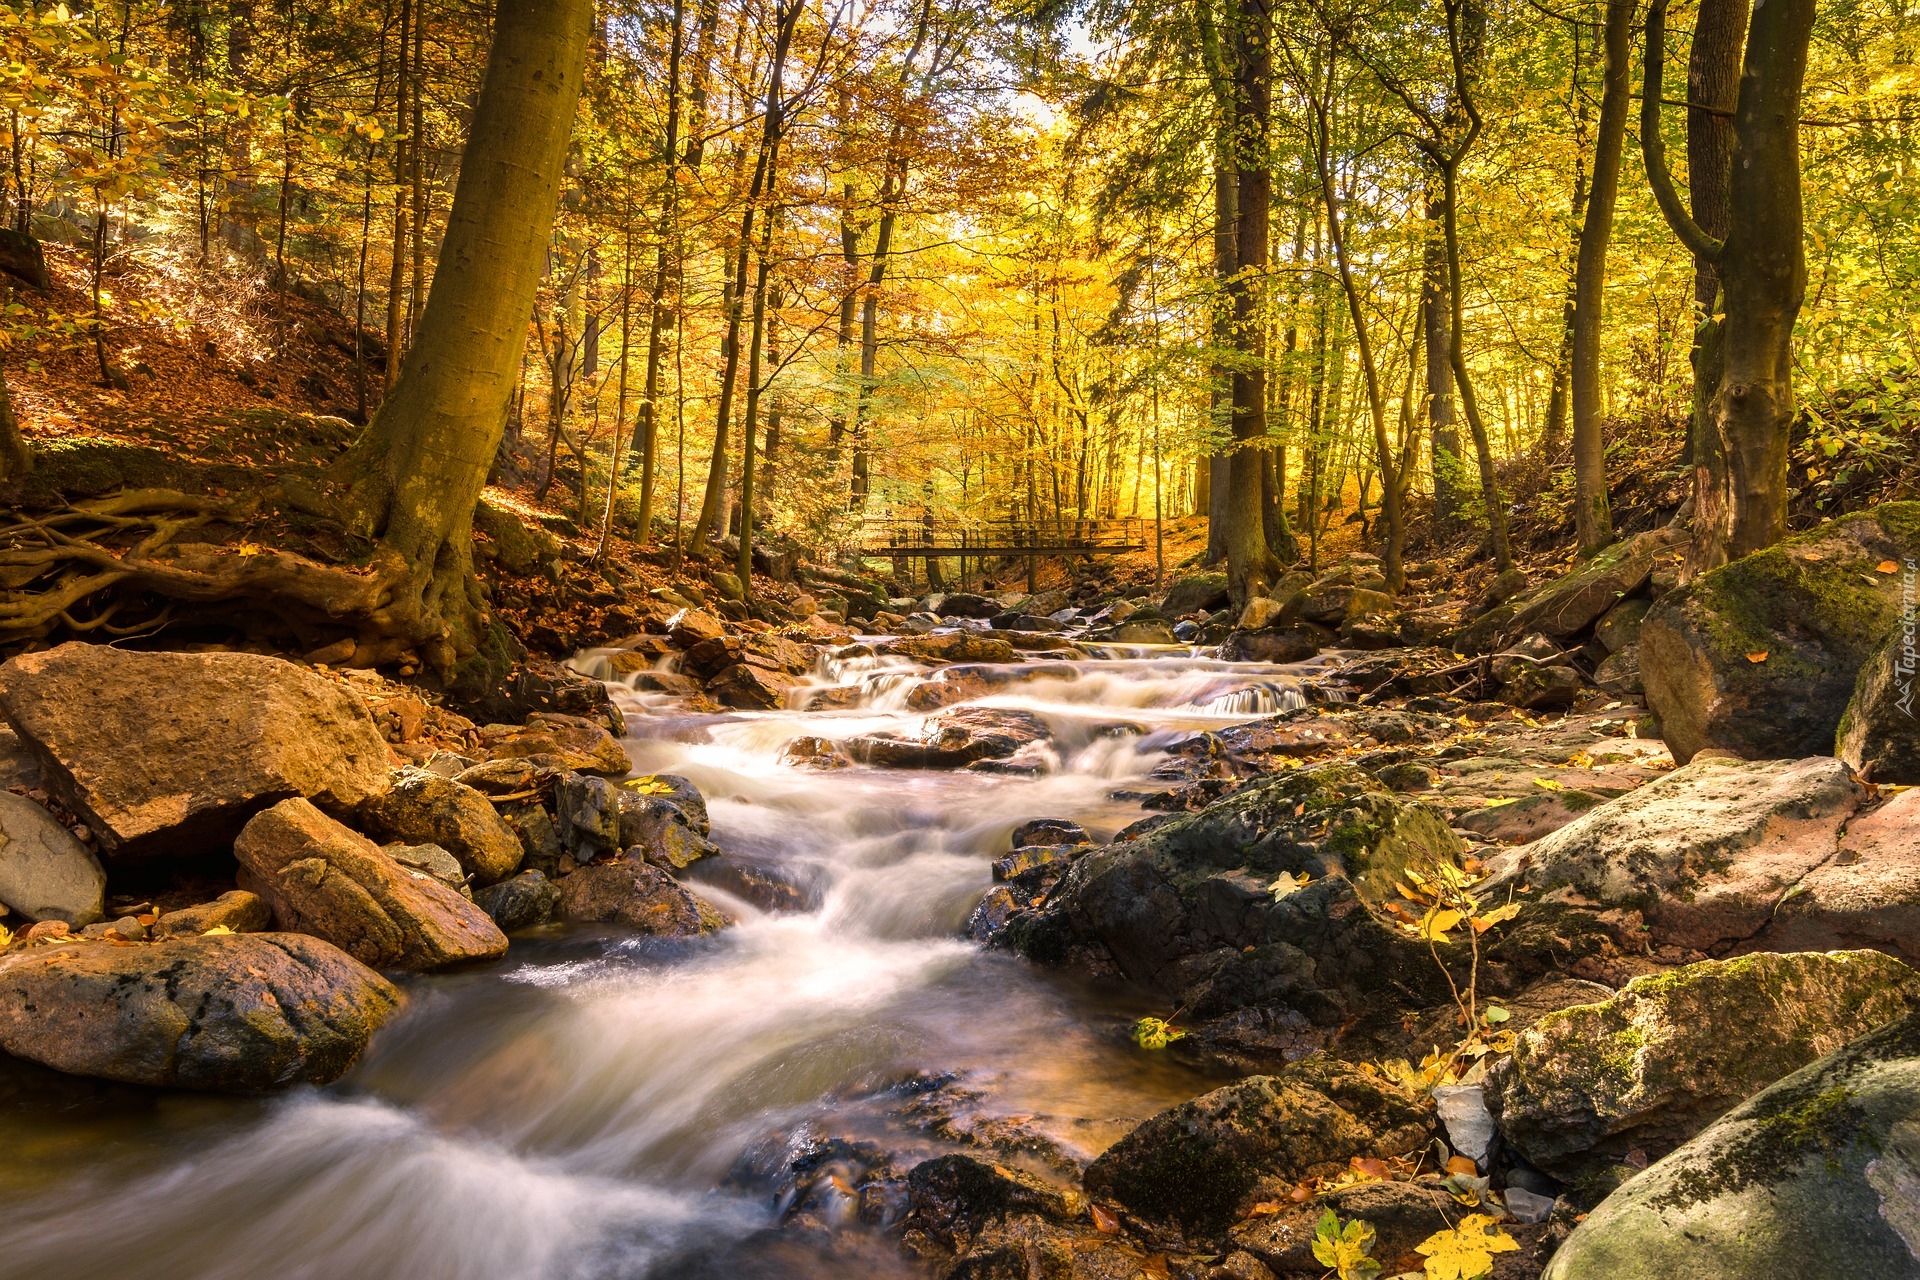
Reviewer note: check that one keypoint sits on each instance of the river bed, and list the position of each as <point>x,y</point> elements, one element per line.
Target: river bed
<point>599,1105</point>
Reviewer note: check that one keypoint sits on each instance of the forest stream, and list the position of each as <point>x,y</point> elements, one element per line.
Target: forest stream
<point>605,1105</point>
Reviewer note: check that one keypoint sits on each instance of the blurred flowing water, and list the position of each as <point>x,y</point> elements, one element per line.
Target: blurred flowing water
<point>601,1105</point>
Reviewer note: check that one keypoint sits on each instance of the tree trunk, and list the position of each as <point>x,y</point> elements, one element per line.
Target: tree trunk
<point>1713,85</point>
<point>16,459</point>
<point>1593,521</point>
<point>1448,467</point>
<point>1216,466</point>
<point>416,474</point>
<point>1740,473</point>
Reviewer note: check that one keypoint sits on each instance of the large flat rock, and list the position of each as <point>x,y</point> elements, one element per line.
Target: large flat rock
<point>234,1012</point>
<point>1706,854</point>
<point>172,753</point>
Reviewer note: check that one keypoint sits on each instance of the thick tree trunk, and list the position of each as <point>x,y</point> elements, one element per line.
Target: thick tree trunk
<point>1740,472</point>
<point>1593,521</point>
<point>16,459</point>
<point>1251,567</point>
<point>1214,497</point>
<point>1713,86</point>
<point>417,472</point>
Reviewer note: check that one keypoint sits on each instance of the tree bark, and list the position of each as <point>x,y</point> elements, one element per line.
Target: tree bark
<point>414,477</point>
<point>1448,467</point>
<point>1593,521</point>
<point>1740,481</point>
<point>1713,85</point>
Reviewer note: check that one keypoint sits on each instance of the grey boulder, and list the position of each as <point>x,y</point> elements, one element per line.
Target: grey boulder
<point>45,872</point>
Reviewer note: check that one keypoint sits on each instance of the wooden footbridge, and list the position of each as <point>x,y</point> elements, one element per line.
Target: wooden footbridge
<point>940,539</point>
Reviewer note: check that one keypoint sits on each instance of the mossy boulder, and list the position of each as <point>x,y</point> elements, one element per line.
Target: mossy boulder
<point>1880,732</point>
<point>1192,909</point>
<point>1817,1177</point>
<point>1653,1065</point>
<point>1707,853</point>
<point>1760,657</point>
<point>1202,1164</point>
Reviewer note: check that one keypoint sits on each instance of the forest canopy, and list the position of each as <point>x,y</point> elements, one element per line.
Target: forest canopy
<point>1294,265</point>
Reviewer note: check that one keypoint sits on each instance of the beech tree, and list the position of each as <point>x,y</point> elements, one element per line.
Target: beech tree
<point>1740,460</point>
<point>412,481</point>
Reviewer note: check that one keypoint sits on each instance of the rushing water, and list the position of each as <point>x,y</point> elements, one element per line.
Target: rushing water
<point>598,1105</point>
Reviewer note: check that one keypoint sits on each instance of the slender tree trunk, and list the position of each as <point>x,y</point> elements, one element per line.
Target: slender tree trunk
<point>397,276</point>
<point>1448,467</point>
<point>414,477</point>
<point>16,458</point>
<point>1593,521</point>
<point>1216,484</point>
<point>647,429</point>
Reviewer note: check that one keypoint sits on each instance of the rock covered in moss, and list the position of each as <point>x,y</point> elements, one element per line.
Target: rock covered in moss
<point>1880,731</point>
<point>1653,1065</point>
<point>1202,1164</point>
<point>1191,908</point>
<point>1760,657</point>
<point>1815,1178</point>
<point>1706,853</point>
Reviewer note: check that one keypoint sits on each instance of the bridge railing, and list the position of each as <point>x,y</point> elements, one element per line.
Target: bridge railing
<point>946,536</point>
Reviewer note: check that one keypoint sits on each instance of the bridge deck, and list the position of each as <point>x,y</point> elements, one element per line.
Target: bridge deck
<point>907,539</point>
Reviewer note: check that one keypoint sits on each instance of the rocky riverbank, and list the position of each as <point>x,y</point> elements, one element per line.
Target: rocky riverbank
<point>1473,961</point>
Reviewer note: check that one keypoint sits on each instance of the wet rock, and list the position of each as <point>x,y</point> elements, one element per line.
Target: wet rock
<point>1880,731</point>
<point>425,808</point>
<point>1202,1164</point>
<point>1812,607</point>
<point>1670,1053</point>
<point>751,688</point>
<point>630,892</point>
<point>587,816</point>
<point>236,910</point>
<point>539,836</point>
<point>1030,858</point>
<point>952,646</point>
<point>1191,908</point>
<point>770,888</point>
<point>432,861</point>
<point>1251,1041</point>
<point>1049,831</point>
<point>1816,1177</point>
<point>813,753</point>
<point>952,739</point>
<point>322,879</point>
<point>671,683</point>
<point>45,873</point>
<point>1198,593</point>
<point>568,742</point>
<point>188,746</point>
<point>521,902</point>
<point>237,1013</point>
<point>1706,852</point>
<point>996,908</point>
<point>1137,630</point>
<point>690,626</point>
<point>671,788</point>
<point>1402,1215</point>
<point>1261,612</point>
<point>658,830</point>
<point>1274,645</point>
<point>962,605</point>
<point>954,1198</point>
<point>1866,895</point>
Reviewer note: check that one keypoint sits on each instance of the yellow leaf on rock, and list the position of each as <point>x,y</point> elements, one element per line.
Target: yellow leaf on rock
<point>1466,1252</point>
<point>1761,656</point>
<point>218,931</point>
<point>1887,566</point>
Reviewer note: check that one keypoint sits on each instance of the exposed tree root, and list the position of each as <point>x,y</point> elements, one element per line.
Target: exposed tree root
<point>117,567</point>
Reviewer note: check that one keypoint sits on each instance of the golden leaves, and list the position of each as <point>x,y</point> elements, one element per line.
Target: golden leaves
<point>1466,1252</point>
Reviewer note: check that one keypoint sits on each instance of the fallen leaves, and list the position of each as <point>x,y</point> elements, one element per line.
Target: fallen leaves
<point>1757,658</point>
<point>1886,566</point>
<point>1156,1033</point>
<point>1105,1221</point>
<point>1287,884</point>
<point>1346,1248</point>
<point>1466,1252</point>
